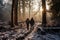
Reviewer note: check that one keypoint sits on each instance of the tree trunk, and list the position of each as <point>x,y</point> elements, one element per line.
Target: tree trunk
<point>29,7</point>
<point>12,23</point>
<point>14,13</point>
<point>16,16</point>
<point>23,2</point>
<point>44,13</point>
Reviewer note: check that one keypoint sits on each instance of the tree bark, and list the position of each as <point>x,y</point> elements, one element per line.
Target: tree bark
<point>14,13</point>
<point>44,13</point>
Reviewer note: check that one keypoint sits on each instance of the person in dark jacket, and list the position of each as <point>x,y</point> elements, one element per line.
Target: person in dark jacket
<point>32,22</point>
<point>27,23</point>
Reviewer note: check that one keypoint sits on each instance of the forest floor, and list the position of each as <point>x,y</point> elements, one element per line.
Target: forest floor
<point>34,33</point>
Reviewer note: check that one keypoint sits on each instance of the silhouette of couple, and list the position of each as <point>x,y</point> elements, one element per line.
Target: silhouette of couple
<point>31,22</point>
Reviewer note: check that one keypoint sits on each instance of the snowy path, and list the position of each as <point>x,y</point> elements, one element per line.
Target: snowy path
<point>36,35</point>
<point>14,33</point>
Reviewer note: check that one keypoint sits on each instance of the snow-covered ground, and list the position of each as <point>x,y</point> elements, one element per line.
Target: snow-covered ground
<point>16,32</point>
<point>34,35</point>
<point>39,35</point>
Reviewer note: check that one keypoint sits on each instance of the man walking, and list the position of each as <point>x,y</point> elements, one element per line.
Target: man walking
<point>27,23</point>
